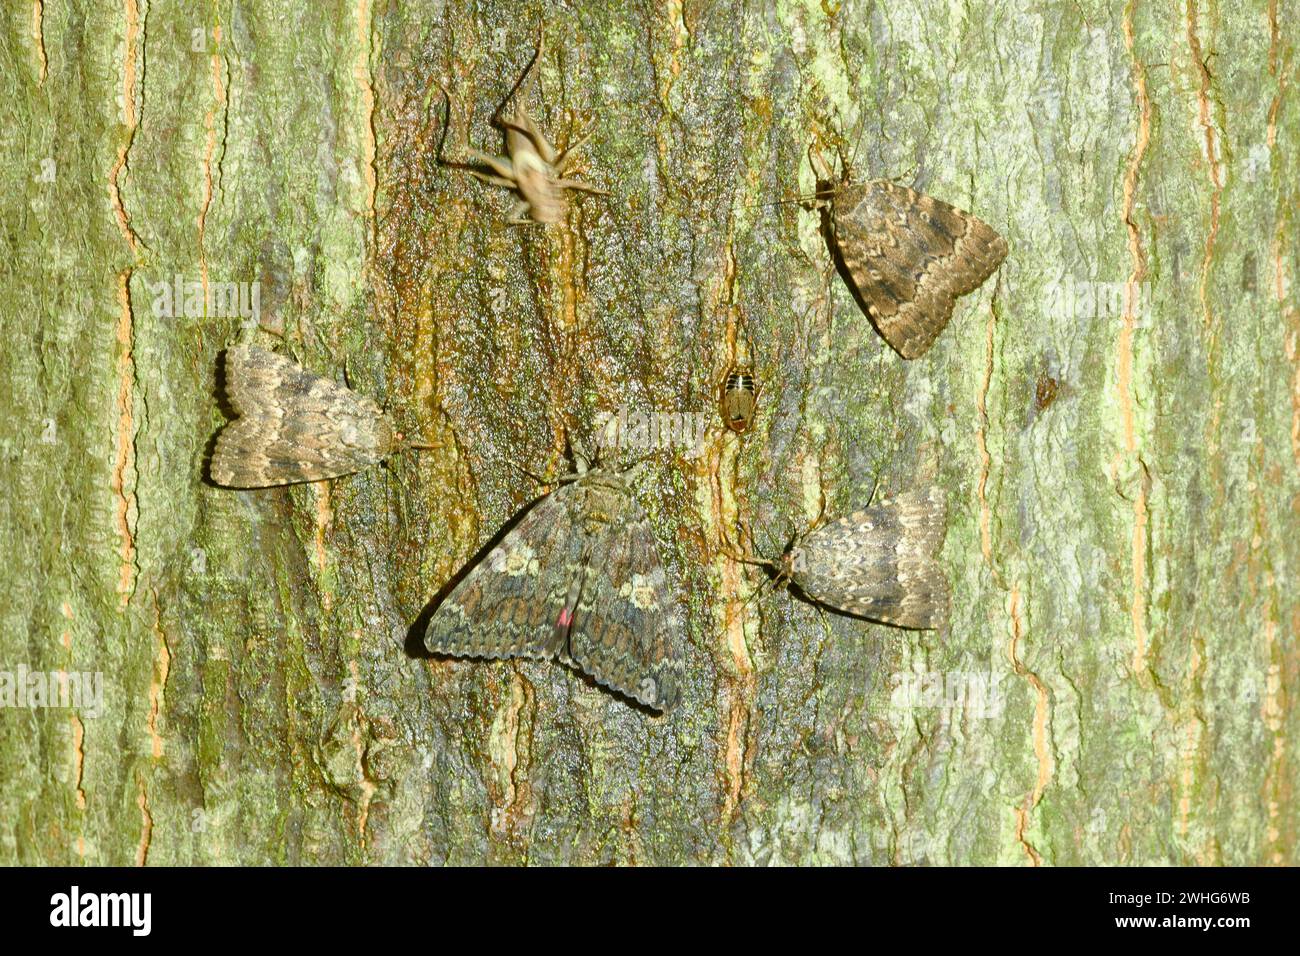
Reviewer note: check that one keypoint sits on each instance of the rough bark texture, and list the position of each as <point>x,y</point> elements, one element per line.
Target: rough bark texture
<point>1115,419</point>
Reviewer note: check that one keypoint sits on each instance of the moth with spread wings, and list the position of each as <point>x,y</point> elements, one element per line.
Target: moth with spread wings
<point>578,580</point>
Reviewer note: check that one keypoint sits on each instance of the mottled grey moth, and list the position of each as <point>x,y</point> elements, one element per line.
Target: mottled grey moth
<point>878,563</point>
<point>294,426</point>
<point>579,580</point>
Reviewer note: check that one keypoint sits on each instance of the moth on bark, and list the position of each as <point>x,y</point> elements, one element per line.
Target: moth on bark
<point>738,399</point>
<point>292,426</point>
<point>578,579</point>
<point>906,257</point>
<point>879,563</point>
<point>532,167</point>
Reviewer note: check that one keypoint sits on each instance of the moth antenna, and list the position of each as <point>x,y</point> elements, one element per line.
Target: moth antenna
<point>871,496</point>
<point>821,511</point>
<point>797,200</point>
<point>526,470</point>
<point>730,551</point>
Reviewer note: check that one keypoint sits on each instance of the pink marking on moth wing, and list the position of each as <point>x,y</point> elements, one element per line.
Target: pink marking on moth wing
<point>566,618</point>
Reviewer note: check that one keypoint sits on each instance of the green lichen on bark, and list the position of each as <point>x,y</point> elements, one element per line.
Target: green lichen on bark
<point>1113,418</point>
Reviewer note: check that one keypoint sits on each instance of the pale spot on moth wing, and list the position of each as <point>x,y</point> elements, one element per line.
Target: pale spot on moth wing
<point>508,603</point>
<point>907,257</point>
<point>627,629</point>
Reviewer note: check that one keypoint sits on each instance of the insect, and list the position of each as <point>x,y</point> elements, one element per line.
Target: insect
<point>1045,390</point>
<point>906,256</point>
<point>738,399</point>
<point>878,563</point>
<point>532,167</point>
<point>293,426</point>
<point>578,580</point>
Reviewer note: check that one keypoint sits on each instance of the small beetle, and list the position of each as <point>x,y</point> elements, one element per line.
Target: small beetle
<point>739,398</point>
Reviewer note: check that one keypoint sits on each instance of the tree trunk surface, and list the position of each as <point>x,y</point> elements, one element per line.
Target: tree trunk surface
<point>1114,419</point>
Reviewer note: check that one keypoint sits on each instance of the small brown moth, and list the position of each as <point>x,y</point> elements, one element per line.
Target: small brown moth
<point>878,563</point>
<point>532,167</point>
<point>579,580</point>
<point>738,400</point>
<point>294,426</point>
<point>906,256</point>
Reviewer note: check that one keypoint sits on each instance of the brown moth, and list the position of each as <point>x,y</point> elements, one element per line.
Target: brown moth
<point>578,579</point>
<point>532,167</point>
<point>293,426</point>
<point>878,563</point>
<point>906,256</point>
<point>738,400</point>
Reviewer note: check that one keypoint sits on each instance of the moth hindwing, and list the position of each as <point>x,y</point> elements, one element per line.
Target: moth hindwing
<point>738,400</point>
<point>292,425</point>
<point>906,257</point>
<point>878,563</point>
<point>578,579</point>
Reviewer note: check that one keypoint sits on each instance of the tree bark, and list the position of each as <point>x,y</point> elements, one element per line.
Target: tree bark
<point>1115,419</point>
